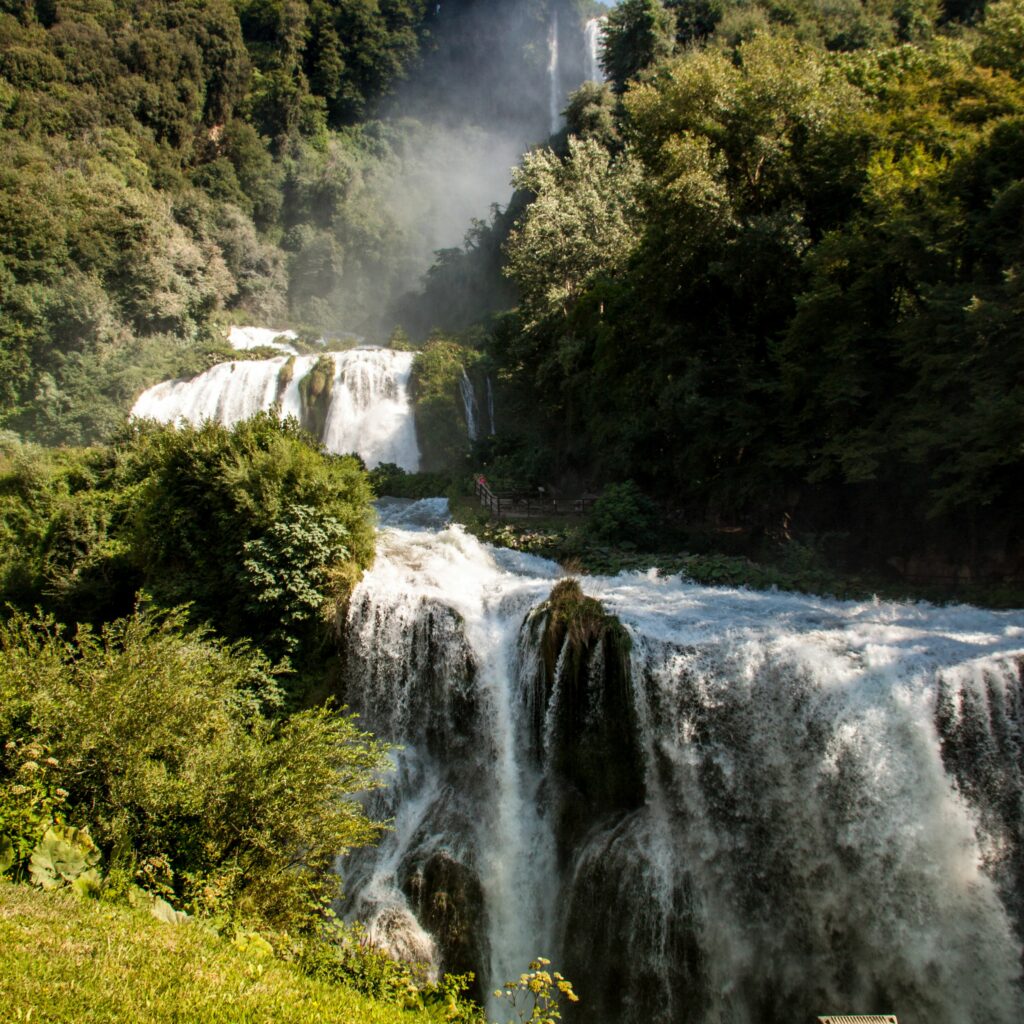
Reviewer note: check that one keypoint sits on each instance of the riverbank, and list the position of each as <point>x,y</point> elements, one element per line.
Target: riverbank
<point>569,540</point>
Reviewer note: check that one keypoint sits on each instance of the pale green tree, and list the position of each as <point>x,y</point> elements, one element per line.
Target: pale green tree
<point>583,224</point>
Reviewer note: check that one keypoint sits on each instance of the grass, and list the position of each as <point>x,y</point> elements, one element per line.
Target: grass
<point>66,959</point>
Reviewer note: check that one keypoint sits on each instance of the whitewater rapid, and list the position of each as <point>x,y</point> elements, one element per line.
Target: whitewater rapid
<point>818,806</point>
<point>369,410</point>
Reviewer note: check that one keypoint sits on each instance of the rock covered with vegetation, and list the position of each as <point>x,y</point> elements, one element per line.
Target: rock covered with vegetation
<point>584,722</point>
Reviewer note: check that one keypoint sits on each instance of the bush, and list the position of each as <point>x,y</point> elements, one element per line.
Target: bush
<point>392,481</point>
<point>166,745</point>
<point>623,513</point>
<point>254,527</point>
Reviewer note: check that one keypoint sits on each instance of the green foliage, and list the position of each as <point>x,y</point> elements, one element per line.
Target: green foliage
<point>637,34</point>
<point>1002,37</point>
<point>236,523</point>
<point>154,158</point>
<point>255,528</point>
<point>804,329</point>
<point>581,226</point>
<point>434,387</point>
<point>163,743</point>
<point>623,512</point>
<point>64,856</point>
<point>343,955</point>
<point>31,797</point>
<point>392,481</point>
<point>288,570</point>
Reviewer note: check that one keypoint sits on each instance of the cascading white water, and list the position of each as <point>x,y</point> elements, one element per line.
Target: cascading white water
<point>244,338</point>
<point>592,36</point>
<point>796,823</point>
<point>554,85</point>
<point>432,606</point>
<point>369,411</point>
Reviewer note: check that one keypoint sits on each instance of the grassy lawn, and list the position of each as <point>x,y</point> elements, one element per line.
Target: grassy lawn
<point>65,959</point>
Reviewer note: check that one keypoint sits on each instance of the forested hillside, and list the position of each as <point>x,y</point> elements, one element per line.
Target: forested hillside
<point>170,164</point>
<point>769,270</point>
<point>773,275</point>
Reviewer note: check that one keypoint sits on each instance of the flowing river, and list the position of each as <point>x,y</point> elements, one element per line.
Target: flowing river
<point>761,807</point>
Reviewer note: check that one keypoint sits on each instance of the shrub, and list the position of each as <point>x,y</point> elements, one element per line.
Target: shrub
<point>623,513</point>
<point>166,746</point>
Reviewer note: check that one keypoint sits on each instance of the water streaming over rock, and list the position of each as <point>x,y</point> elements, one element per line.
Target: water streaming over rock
<point>554,81</point>
<point>592,33</point>
<point>468,394</point>
<point>366,402</point>
<point>734,806</point>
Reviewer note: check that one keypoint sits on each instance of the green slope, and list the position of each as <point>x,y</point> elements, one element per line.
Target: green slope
<point>66,959</point>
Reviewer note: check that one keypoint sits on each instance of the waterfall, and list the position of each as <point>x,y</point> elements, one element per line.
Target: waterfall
<point>367,408</point>
<point>592,33</point>
<point>490,407</point>
<point>469,406</point>
<point>554,85</point>
<point>242,338</point>
<point>757,807</point>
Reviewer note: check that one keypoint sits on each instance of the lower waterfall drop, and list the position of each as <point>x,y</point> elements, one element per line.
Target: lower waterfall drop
<point>703,804</point>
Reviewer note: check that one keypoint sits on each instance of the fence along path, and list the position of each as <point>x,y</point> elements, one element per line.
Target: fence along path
<point>515,505</point>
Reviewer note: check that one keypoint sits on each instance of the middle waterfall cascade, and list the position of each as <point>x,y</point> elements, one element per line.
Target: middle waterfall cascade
<point>468,394</point>
<point>369,410</point>
<point>757,808</point>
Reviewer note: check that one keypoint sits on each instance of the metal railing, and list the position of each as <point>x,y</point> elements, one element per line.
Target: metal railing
<point>513,505</point>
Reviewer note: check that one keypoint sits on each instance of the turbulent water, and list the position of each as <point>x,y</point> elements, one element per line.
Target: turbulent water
<point>368,410</point>
<point>759,808</point>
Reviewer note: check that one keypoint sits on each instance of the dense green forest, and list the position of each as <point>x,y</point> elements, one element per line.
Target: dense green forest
<point>170,165</point>
<point>771,273</point>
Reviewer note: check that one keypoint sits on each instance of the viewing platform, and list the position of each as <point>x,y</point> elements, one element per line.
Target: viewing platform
<point>513,506</point>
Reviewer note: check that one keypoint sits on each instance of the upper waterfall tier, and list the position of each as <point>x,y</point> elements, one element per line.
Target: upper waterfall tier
<point>360,405</point>
<point>717,805</point>
<point>593,33</point>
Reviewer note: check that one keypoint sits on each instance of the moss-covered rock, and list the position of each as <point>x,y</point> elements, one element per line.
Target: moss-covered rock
<point>448,900</point>
<point>284,377</point>
<point>315,390</point>
<point>583,718</point>
<point>441,428</point>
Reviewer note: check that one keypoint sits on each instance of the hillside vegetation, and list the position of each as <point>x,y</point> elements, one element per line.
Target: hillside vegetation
<point>772,274</point>
<point>73,961</point>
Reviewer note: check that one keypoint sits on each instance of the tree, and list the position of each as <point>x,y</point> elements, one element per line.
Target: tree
<point>168,746</point>
<point>637,33</point>
<point>583,223</point>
